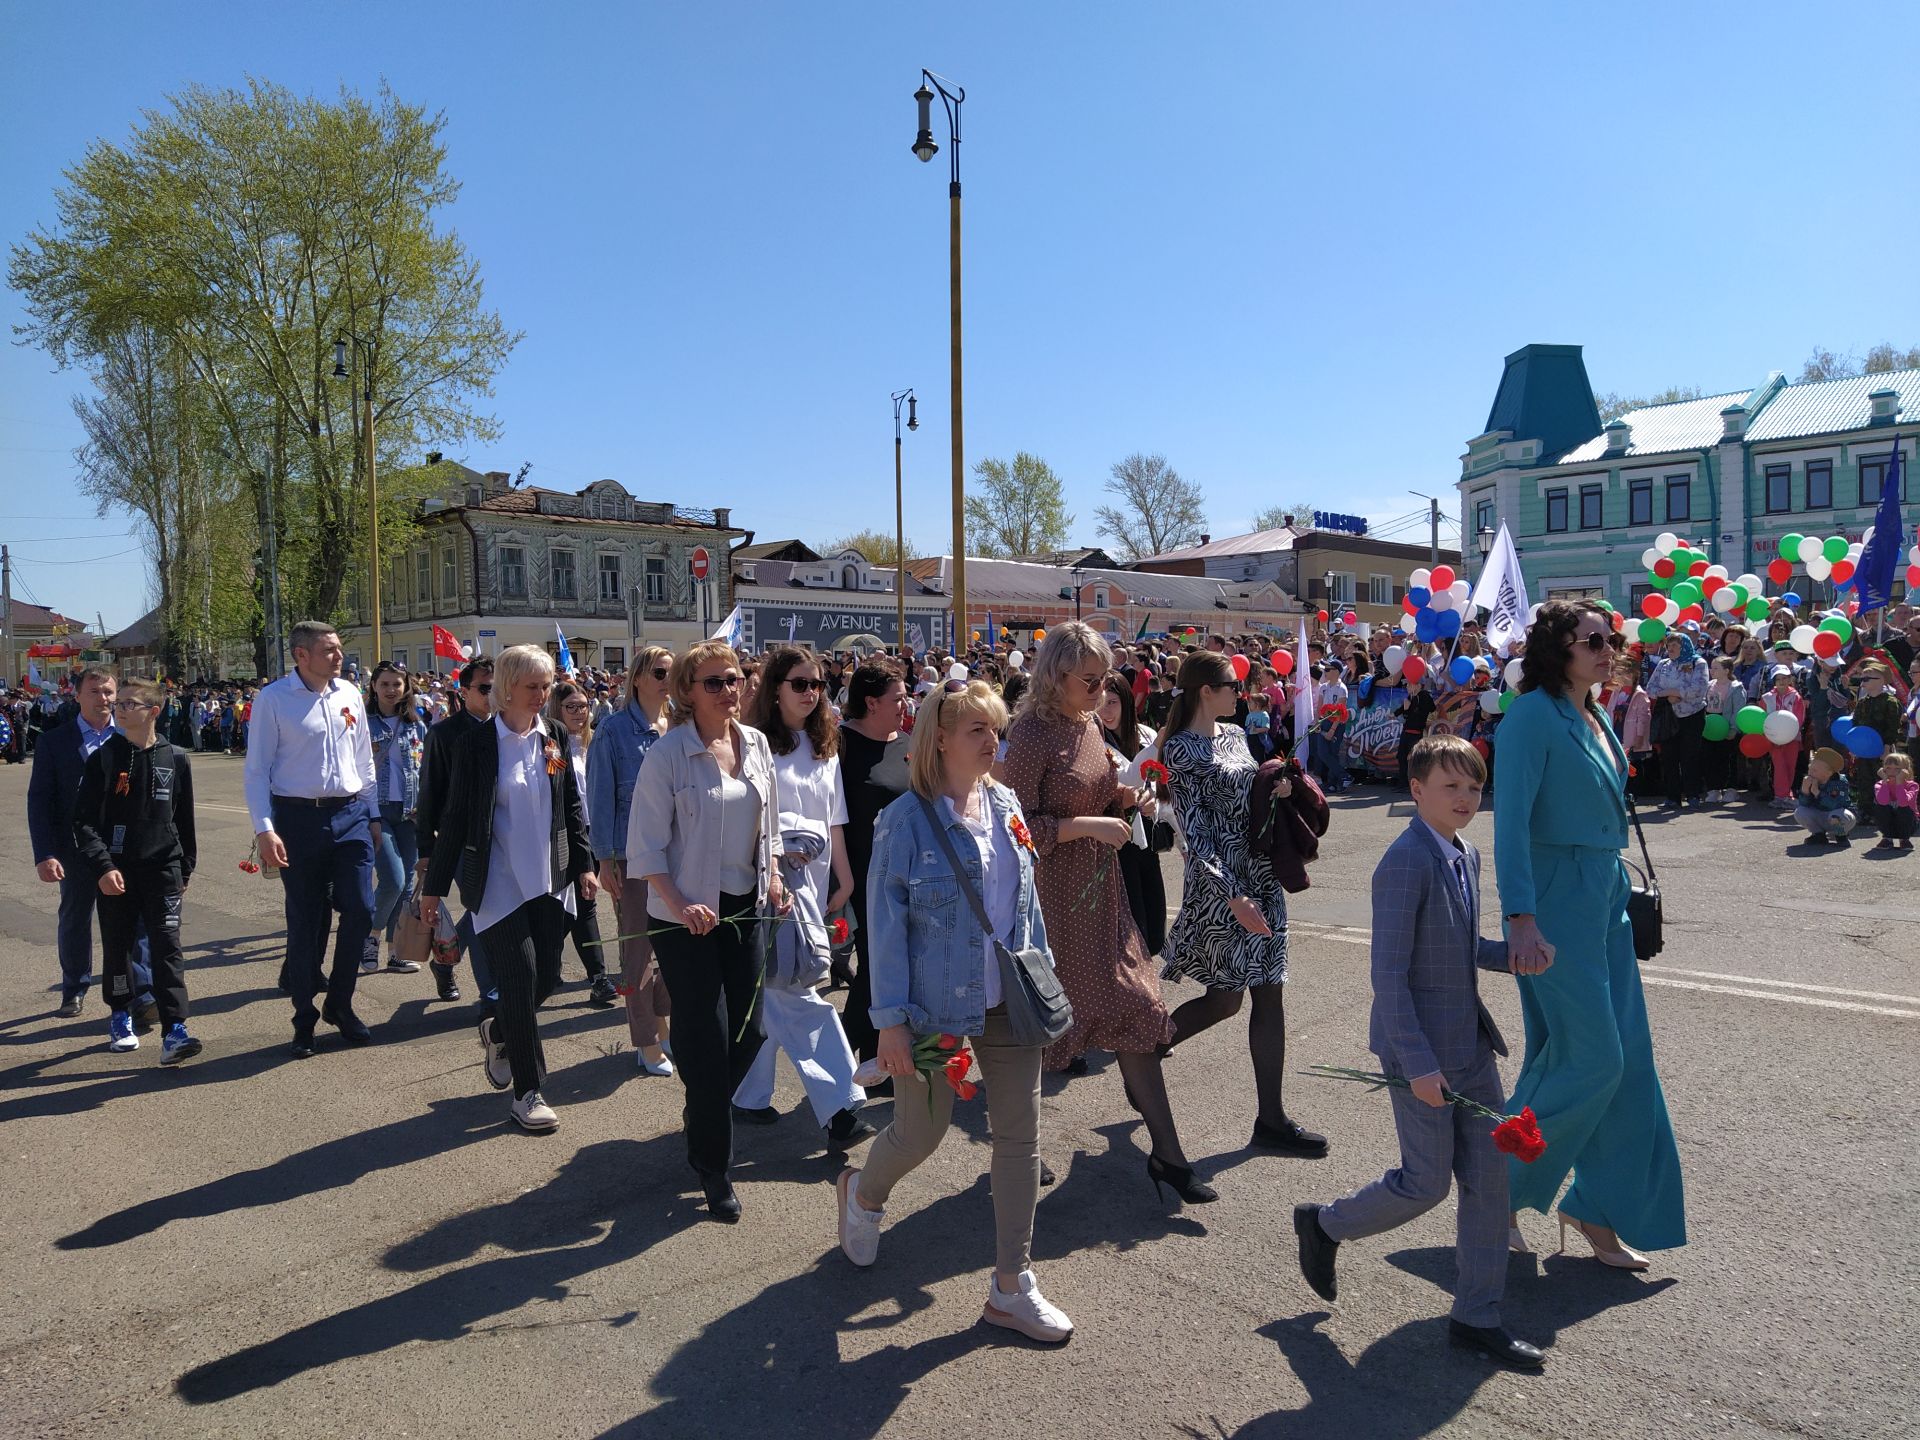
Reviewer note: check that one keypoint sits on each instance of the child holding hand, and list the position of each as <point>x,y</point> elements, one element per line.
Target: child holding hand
<point>1896,801</point>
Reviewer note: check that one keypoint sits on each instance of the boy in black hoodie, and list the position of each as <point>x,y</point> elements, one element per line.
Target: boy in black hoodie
<point>133,827</point>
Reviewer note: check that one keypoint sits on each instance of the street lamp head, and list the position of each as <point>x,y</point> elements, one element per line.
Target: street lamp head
<point>1485,541</point>
<point>339,359</point>
<point>923,145</point>
<point>913,416</point>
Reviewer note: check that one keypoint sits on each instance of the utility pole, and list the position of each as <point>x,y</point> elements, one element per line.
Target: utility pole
<point>6,615</point>
<point>1433,519</point>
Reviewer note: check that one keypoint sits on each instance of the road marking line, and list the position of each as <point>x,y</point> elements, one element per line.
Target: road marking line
<point>1785,984</point>
<point>230,809</point>
<point>1785,999</point>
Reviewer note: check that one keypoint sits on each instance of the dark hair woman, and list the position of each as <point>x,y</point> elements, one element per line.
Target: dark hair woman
<point>398,731</point>
<point>570,708</point>
<point>1560,822</point>
<point>1139,864</point>
<point>873,768</point>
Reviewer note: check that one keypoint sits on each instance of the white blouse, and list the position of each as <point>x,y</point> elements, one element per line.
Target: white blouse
<point>999,879</point>
<point>521,866</point>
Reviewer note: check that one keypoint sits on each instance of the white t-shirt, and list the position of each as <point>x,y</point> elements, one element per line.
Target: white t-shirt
<point>999,881</point>
<point>739,836</point>
<point>521,866</point>
<point>812,797</point>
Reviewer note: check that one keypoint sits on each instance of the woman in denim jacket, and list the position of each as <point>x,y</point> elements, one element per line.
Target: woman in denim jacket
<point>936,973</point>
<point>399,735</point>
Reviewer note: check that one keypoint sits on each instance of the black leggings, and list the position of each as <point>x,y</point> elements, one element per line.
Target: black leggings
<point>1266,1037</point>
<point>584,927</point>
<point>714,983</point>
<point>523,955</point>
<point>1680,757</point>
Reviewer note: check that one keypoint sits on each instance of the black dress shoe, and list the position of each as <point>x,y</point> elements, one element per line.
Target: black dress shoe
<point>1047,1176</point>
<point>351,1027</point>
<point>146,1018</point>
<point>1317,1251</point>
<point>847,1128</point>
<point>71,1006</point>
<point>722,1203</point>
<point>605,993</point>
<point>766,1115</point>
<point>1494,1340</point>
<point>302,1044</point>
<point>443,980</point>
<point>1289,1139</point>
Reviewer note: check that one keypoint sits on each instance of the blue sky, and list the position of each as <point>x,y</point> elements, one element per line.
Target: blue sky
<point>1284,245</point>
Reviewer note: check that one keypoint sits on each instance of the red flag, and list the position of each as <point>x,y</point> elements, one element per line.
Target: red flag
<point>446,645</point>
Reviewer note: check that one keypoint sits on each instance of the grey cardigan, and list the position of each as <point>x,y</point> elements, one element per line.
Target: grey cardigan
<point>673,825</point>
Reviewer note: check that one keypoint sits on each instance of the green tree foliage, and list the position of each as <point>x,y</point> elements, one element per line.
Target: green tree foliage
<point>1823,364</point>
<point>1158,509</point>
<point>1017,509</point>
<point>1612,405</point>
<point>1301,512</point>
<point>878,546</point>
<point>243,233</point>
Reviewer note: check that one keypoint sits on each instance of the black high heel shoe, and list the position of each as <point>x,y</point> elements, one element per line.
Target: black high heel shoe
<point>1180,1177</point>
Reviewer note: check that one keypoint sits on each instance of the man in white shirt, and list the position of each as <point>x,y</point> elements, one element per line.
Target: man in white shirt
<point>309,791</point>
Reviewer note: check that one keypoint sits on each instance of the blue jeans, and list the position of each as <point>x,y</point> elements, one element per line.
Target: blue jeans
<point>79,893</point>
<point>329,867</point>
<point>393,861</point>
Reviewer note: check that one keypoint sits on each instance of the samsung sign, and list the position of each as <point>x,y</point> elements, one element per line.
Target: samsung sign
<point>1350,524</point>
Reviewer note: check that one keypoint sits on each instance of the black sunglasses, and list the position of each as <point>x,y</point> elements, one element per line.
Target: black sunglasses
<point>806,687</point>
<point>1595,642</point>
<point>663,672</point>
<point>485,689</point>
<point>714,684</point>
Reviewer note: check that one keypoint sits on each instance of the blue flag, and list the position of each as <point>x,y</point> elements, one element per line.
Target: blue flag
<point>563,661</point>
<point>1880,560</point>
<point>992,641</point>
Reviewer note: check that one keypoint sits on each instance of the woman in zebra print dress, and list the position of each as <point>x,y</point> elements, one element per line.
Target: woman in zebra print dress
<point>1231,933</point>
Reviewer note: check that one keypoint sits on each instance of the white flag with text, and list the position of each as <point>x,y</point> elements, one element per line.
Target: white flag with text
<point>1502,593</point>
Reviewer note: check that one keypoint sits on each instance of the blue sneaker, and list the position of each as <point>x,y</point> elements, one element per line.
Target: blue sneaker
<point>120,1031</point>
<point>176,1045</point>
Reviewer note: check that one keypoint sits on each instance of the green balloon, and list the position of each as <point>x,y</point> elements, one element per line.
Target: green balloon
<point>1790,548</point>
<point>1834,547</point>
<point>1661,582</point>
<point>1506,699</point>
<point>1716,728</point>
<point>1651,631</point>
<point>1686,592</point>
<point>1751,719</point>
<point>1740,596</point>
<point>1757,610</point>
<point>1839,625</point>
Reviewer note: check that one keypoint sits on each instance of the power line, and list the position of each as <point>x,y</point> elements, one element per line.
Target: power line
<point>51,539</point>
<point>90,560</point>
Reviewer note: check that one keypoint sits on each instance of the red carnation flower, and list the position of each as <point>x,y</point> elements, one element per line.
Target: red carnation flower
<point>1152,772</point>
<point>838,931</point>
<point>1520,1135</point>
<point>948,1042</point>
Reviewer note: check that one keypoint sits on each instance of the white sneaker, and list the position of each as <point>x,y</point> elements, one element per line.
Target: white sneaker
<point>494,1057</point>
<point>1027,1311</point>
<point>530,1112</point>
<point>859,1226</point>
<point>370,956</point>
<point>647,1067</point>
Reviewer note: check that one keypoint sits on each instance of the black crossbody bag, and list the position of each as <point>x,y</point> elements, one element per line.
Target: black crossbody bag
<point>1644,911</point>
<point>1038,1012</point>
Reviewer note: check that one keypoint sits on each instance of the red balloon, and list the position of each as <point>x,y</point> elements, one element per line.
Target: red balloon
<point>1754,746</point>
<point>1692,612</point>
<point>1619,622</point>
<point>1282,661</point>
<point>1697,569</point>
<point>1240,667</point>
<point>1780,572</point>
<point>1322,617</point>
<point>1408,606</point>
<point>1654,606</point>
<point>1664,568</point>
<point>1711,583</point>
<point>1826,644</point>
<point>1913,577</point>
<point>1348,617</point>
<point>1413,667</point>
<point>1842,571</point>
<point>1441,576</point>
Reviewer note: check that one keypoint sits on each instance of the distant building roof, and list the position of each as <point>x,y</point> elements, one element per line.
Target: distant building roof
<point>774,550</point>
<point>1825,407</point>
<point>142,634</point>
<point>1091,557</point>
<point>1545,395</point>
<point>1256,542</point>
<point>1023,580</point>
<point>1663,429</point>
<point>39,617</point>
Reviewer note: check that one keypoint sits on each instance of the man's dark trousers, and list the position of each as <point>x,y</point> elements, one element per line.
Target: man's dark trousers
<point>329,867</point>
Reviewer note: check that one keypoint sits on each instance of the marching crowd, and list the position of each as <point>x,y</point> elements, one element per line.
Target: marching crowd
<point>973,849</point>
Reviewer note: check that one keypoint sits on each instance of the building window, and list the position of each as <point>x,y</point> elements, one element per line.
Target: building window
<point>422,577</point>
<point>1873,479</point>
<point>1576,592</point>
<point>1380,590</point>
<point>1637,597</point>
<point>426,660</point>
<point>565,584</point>
<point>449,573</point>
<point>1679,497</point>
<point>615,658</point>
<point>1819,485</point>
<point>396,584</point>
<point>1779,488</point>
<point>1482,516</point>
<point>1589,507</point>
<point>656,580</point>
<point>609,577</point>
<point>1099,597</point>
<point>1640,503</point>
<point>1556,510</point>
<point>513,571</point>
<point>1342,592</point>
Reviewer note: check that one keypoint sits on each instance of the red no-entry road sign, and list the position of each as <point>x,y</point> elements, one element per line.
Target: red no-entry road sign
<point>700,562</point>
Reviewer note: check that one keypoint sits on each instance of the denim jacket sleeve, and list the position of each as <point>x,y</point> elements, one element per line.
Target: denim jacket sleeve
<point>608,842</point>
<point>893,851</point>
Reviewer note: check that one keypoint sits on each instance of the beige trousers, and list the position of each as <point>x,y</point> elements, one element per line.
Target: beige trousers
<point>1012,1077</point>
<point>647,1001</point>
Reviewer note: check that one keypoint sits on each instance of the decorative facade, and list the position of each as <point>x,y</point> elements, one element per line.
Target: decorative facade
<point>789,594</point>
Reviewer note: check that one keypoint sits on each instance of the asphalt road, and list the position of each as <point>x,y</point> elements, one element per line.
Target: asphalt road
<point>359,1244</point>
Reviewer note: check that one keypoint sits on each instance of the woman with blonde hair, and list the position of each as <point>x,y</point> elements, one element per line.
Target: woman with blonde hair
<point>936,971</point>
<point>613,765</point>
<point>700,834</point>
<point>1057,765</point>
<point>571,709</point>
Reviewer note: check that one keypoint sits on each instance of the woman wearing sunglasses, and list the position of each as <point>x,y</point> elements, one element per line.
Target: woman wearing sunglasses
<point>700,835</point>
<point>571,710</point>
<point>1560,823</point>
<point>613,765</point>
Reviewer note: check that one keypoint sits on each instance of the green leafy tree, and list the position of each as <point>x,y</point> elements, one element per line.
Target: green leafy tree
<point>878,546</point>
<point>1612,405</point>
<point>1158,509</point>
<point>1017,509</point>
<point>1300,513</point>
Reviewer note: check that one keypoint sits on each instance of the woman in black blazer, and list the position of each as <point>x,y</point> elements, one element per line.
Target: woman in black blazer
<point>515,833</point>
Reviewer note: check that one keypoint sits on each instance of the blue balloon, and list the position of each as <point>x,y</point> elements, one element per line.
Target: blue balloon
<point>1839,728</point>
<point>1860,739</point>
<point>1419,596</point>
<point>1426,627</point>
<point>1461,670</point>
<point>1792,597</point>
<point>1449,624</point>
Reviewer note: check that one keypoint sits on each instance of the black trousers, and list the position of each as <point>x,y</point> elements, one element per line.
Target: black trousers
<point>152,898</point>
<point>584,926</point>
<point>523,954</point>
<point>1408,739</point>
<point>1716,763</point>
<point>329,868</point>
<point>1896,823</point>
<point>714,983</point>
<point>1680,757</point>
<point>854,1019</point>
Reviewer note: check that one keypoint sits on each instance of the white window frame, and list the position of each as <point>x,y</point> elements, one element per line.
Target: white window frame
<point>423,577</point>
<point>600,571</point>
<point>449,574</point>
<point>572,568</point>
<point>519,564</point>
<point>1380,589</point>
<point>656,570</point>
<point>1342,593</point>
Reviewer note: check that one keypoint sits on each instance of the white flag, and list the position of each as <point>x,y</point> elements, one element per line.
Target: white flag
<point>1302,697</point>
<point>1502,593</point>
<point>733,629</point>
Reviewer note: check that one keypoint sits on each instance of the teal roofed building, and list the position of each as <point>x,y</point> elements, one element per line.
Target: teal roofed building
<point>1732,472</point>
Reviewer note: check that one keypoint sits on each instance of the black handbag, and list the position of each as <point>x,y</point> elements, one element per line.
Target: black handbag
<point>1644,911</point>
<point>1038,1012</point>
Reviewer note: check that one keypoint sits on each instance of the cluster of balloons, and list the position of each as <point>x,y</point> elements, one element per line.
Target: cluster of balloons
<point>1826,641</point>
<point>1862,740</point>
<point>1399,665</point>
<point>1686,584</point>
<point>1829,559</point>
<point>1437,601</point>
<point>1913,568</point>
<point>1758,729</point>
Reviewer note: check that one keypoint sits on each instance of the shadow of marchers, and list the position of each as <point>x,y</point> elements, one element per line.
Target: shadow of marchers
<point>1545,1295</point>
<point>443,1126</point>
<point>1087,1206</point>
<point>210,1069</point>
<point>582,1220</point>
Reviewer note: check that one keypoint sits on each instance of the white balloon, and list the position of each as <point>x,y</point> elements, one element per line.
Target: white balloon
<point>1811,548</point>
<point>1819,568</point>
<point>1461,591</point>
<point>956,671</point>
<point>466,652</point>
<point>1393,657</point>
<point>1751,582</point>
<point>1913,555</point>
<point>1672,612</point>
<point>1719,572</point>
<point>1016,658</point>
<point>1666,542</point>
<point>1648,557</point>
<point>1512,672</point>
<point>1420,580</point>
<point>1490,701</point>
<point>1533,612</point>
<point>1723,599</point>
<point>1782,728</point>
<point>1802,639</point>
<point>1442,600</point>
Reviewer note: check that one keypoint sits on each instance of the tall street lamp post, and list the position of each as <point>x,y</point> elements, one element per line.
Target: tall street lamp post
<point>925,149</point>
<point>363,353</point>
<point>900,514</point>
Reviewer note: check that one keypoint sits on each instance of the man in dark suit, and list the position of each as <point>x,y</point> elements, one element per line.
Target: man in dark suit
<point>436,773</point>
<point>59,760</point>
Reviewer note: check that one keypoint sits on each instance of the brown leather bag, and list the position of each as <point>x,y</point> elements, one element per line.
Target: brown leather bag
<point>413,938</point>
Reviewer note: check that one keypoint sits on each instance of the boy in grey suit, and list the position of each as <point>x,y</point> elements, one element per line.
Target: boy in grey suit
<point>1430,1027</point>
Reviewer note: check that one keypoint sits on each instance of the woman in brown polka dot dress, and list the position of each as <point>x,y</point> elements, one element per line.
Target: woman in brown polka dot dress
<point>1057,764</point>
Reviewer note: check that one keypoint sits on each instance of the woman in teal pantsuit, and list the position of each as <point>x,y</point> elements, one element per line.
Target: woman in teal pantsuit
<point>1560,823</point>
